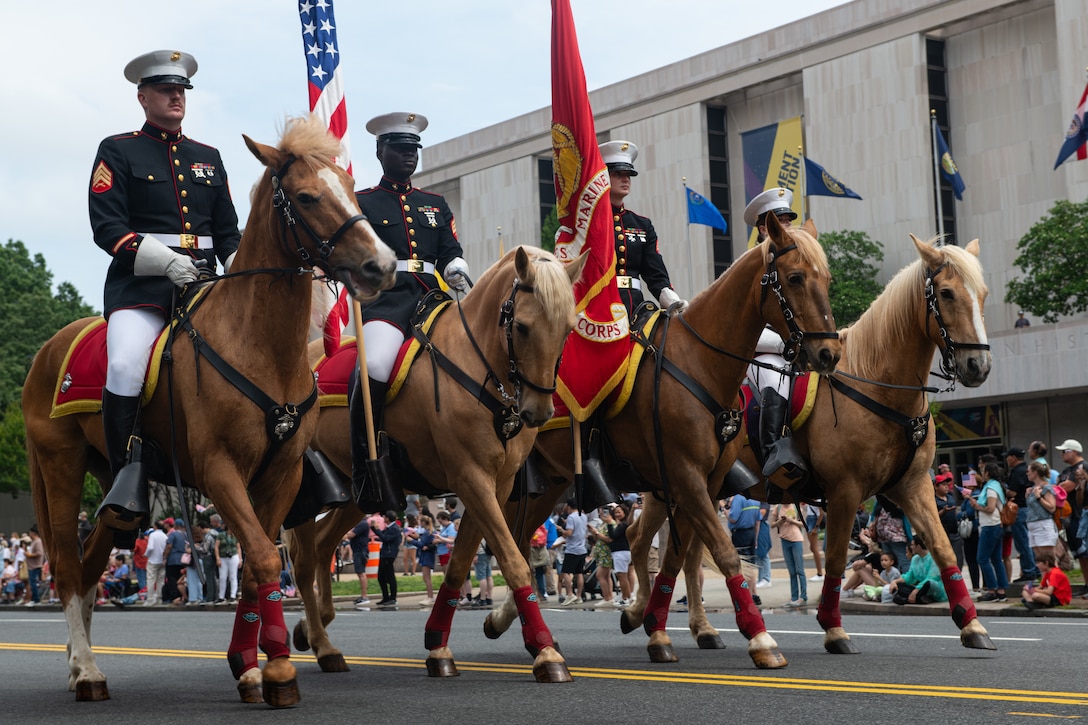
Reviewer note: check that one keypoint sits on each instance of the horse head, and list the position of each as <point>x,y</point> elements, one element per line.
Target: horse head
<point>319,221</point>
<point>796,287</point>
<point>536,316</point>
<point>955,294</point>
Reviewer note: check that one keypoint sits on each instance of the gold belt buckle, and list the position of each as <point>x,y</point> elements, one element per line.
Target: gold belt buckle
<point>188,241</point>
<point>623,281</point>
<point>415,265</point>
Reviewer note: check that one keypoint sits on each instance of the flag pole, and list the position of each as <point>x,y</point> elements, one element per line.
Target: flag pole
<point>936,173</point>
<point>691,267</point>
<point>804,182</point>
<point>502,252</point>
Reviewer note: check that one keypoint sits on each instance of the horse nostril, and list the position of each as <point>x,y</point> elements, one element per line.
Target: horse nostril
<point>372,269</point>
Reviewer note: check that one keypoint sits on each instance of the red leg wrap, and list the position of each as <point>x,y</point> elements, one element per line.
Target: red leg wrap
<point>749,620</point>
<point>828,614</point>
<point>274,634</point>
<point>959,599</point>
<point>657,609</point>
<point>533,630</point>
<point>242,653</point>
<point>437,632</point>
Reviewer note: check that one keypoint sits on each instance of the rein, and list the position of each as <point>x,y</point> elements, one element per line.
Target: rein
<point>948,354</point>
<point>506,416</point>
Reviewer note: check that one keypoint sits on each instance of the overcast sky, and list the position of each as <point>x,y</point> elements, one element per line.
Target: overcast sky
<point>464,64</point>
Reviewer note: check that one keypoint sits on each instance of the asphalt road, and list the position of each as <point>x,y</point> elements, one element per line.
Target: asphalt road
<point>170,667</point>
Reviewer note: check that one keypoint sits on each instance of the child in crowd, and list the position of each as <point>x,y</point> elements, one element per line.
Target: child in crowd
<point>1053,590</point>
<point>888,574</point>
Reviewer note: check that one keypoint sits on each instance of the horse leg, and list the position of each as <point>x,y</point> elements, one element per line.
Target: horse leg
<point>706,637</point>
<point>761,646</point>
<point>640,534</point>
<point>656,615</point>
<point>436,633</point>
<point>309,545</point>
<point>919,506</point>
<point>259,618</point>
<point>840,516</point>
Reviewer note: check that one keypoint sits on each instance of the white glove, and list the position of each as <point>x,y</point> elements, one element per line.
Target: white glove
<point>456,274</point>
<point>668,298</point>
<point>155,259</point>
<point>227,264</point>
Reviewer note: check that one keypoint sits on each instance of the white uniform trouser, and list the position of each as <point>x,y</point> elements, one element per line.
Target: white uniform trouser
<point>382,341</point>
<point>129,337</point>
<point>768,351</point>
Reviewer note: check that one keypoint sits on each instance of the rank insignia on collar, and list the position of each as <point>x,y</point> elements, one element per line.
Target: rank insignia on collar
<point>102,179</point>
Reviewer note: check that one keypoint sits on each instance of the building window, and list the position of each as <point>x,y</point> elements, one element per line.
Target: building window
<point>717,141</point>
<point>937,74</point>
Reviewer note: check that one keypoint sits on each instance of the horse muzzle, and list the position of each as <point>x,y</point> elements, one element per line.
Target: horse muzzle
<point>973,367</point>
<point>821,355</point>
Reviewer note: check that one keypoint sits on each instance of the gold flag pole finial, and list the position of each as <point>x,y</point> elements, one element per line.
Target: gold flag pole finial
<point>502,251</point>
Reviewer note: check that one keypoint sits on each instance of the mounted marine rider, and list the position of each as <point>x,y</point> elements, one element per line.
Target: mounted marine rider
<point>159,203</point>
<point>419,226</point>
<point>773,387</point>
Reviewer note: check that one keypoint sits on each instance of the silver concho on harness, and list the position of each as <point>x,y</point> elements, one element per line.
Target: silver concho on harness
<point>281,422</point>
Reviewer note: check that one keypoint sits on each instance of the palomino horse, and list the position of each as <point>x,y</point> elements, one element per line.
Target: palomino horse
<point>856,448</point>
<point>721,327</point>
<point>256,320</point>
<point>520,313</point>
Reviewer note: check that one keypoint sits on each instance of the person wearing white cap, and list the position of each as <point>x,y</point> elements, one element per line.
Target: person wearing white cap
<point>159,203</point>
<point>638,257</point>
<point>1072,479</point>
<point>419,226</point>
<point>773,387</point>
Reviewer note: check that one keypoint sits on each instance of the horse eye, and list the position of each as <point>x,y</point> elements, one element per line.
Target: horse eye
<point>521,328</point>
<point>796,278</point>
<point>946,294</point>
<point>307,199</point>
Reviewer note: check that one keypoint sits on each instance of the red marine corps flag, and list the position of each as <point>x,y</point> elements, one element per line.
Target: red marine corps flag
<point>596,352</point>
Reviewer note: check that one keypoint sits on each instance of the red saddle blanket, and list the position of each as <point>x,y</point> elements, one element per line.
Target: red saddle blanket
<point>83,374</point>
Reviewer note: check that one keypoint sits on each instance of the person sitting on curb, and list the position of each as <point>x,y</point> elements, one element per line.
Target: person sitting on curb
<point>1053,590</point>
<point>921,583</point>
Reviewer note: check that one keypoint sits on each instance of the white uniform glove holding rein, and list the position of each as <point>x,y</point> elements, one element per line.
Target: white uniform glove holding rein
<point>456,274</point>
<point>227,264</point>
<point>668,298</point>
<point>155,259</point>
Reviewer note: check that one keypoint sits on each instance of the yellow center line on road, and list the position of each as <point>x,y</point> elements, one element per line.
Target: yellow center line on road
<point>692,678</point>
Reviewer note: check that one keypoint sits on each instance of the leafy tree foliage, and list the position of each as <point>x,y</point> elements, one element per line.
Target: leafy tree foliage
<point>1053,257</point>
<point>548,230</point>
<point>29,315</point>
<point>853,258</point>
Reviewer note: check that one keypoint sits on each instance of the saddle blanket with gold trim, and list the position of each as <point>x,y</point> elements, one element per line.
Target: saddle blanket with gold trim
<point>801,402</point>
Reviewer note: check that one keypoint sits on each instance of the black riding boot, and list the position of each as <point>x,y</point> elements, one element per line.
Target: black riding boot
<point>779,449</point>
<point>373,481</point>
<point>128,500</point>
<point>357,419</point>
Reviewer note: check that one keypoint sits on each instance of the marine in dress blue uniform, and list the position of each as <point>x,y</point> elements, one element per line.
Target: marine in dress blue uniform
<point>158,202</point>
<point>638,257</point>
<point>419,227</point>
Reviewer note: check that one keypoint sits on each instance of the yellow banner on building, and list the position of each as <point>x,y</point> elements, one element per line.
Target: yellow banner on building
<point>772,159</point>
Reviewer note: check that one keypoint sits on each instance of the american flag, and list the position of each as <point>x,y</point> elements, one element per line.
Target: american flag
<point>326,81</point>
<point>326,84</point>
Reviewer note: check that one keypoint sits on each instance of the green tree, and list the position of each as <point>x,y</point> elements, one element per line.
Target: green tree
<point>548,230</point>
<point>1053,257</point>
<point>29,314</point>
<point>853,258</point>
<point>13,471</point>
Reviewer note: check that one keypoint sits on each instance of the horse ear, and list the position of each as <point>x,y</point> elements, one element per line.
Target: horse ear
<point>575,268</point>
<point>972,247</point>
<point>522,268</point>
<point>267,155</point>
<point>929,254</point>
<point>810,227</point>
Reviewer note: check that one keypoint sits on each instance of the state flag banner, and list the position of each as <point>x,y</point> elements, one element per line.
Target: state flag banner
<point>595,356</point>
<point>1076,138</point>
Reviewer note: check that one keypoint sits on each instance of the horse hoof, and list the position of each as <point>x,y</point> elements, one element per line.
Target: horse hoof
<point>333,663</point>
<point>552,672</point>
<point>842,647</point>
<point>662,653</point>
<point>978,640</point>
<point>769,659</point>
<point>626,625</point>
<point>710,641</point>
<point>441,667</point>
<point>250,692</point>
<point>281,694</point>
<point>490,631</point>
<point>92,691</point>
<point>300,640</point>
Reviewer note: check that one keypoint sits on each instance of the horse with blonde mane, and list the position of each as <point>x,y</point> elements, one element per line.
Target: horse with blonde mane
<point>673,429</point>
<point>519,314</point>
<point>869,432</point>
<point>243,455</point>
